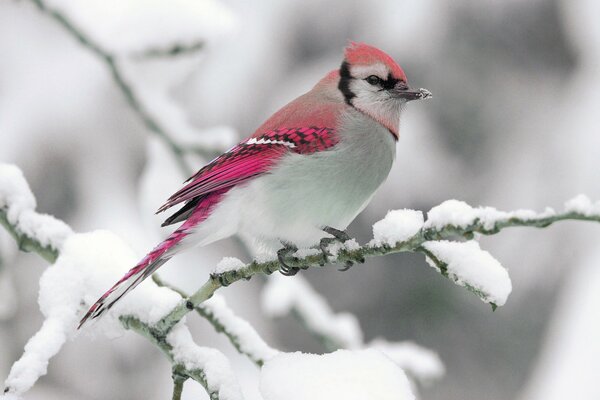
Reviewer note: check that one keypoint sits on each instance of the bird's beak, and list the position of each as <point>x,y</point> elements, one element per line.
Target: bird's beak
<point>408,94</point>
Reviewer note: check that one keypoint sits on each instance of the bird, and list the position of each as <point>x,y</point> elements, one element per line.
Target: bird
<point>310,168</point>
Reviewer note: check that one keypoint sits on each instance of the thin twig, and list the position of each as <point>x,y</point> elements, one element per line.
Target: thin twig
<point>170,51</point>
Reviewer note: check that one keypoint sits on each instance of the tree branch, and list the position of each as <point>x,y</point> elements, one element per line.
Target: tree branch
<point>178,380</point>
<point>131,96</point>
<point>412,244</point>
<point>27,243</point>
<point>240,333</point>
<point>158,339</point>
<point>177,49</point>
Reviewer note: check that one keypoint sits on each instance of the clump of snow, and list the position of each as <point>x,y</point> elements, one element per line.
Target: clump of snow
<point>281,295</point>
<point>8,296</point>
<point>219,375</point>
<point>397,226</point>
<point>583,205</point>
<point>419,363</point>
<point>15,194</point>
<point>18,202</point>
<point>471,267</point>
<point>451,212</point>
<point>228,264</point>
<point>344,374</point>
<point>136,25</point>
<point>88,265</point>
<point>248,339</point>
<point>460,214</point>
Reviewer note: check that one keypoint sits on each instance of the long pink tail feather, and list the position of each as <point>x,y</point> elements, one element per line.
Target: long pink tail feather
<point>153,260</point>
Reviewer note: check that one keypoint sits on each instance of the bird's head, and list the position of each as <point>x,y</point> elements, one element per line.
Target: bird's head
<point>372,82</point>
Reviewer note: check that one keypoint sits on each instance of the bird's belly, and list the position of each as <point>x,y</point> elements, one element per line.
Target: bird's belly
<point>308,192</point>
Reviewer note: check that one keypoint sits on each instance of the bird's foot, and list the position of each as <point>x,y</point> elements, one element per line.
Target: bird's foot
<point>284,252</point>
<point>338,236</point>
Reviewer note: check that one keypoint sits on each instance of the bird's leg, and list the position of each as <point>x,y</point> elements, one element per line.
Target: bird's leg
<point>340,236</point>
<point>282,253</point>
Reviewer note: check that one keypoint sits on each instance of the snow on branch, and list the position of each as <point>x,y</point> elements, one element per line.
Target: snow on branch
<point>84,265</point>
<point>169,123</point>
<point>467,265</point>
<point>283,296</point>
<point>240,333</point>
<point>35,232</point>
<point>392,236</point>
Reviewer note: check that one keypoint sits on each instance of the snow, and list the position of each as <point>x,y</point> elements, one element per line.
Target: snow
<point>344,374</point>
<point>307,252</point>
<point>228,264</point>
<point>471,267</point>
<point>136,25</point>
<point>349,245</point>
<point>282,294</point>
<point>419,363</point>
<point>461,215</point>
<point>88,265</point>
<point>8,295</point>
<point>583,205</point>
<point>248,339</point>
<point>172,117</point>
<point>213,363</point>
<point>14,191</point>
<point>18,201</point>
<point>397,226</point>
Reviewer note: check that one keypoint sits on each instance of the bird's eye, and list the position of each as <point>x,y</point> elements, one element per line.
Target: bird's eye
<point>373,80</point>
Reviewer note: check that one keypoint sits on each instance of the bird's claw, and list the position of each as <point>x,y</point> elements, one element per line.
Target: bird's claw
<point>339,236</point>
<point>282,253</point>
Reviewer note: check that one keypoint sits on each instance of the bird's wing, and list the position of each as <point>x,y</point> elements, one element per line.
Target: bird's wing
<point>250,158</point>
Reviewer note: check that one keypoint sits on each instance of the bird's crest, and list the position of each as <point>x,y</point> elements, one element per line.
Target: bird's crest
<point>363,54</point>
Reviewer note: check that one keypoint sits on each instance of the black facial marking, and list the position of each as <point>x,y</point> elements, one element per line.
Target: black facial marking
<point>389,83</point>
<point>344,84</point>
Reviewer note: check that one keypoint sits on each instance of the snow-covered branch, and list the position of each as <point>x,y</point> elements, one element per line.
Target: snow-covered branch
<point>207,366</point>
<point>296,297</point>
<point>33,232</point>
<point>83,269</point>
<point>167,125</point>
<point>240,333</point>
<point>406,231</point>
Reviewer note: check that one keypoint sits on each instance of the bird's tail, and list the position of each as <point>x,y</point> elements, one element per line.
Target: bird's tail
<point>146,267</point>
<point>203,207</point>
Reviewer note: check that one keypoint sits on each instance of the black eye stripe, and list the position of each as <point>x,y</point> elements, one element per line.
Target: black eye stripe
<point>344,85</point>
<point>390,82</point>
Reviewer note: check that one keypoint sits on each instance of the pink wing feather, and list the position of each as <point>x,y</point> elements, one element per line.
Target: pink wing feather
<point>252,157</point>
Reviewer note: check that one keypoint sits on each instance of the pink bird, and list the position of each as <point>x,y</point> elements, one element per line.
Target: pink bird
<point>314,165</point>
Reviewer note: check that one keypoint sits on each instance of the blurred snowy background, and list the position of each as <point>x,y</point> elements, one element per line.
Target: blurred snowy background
<point>513,124</point>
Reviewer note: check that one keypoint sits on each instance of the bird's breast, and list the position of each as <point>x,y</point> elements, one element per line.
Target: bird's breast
<point>307,192</point>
